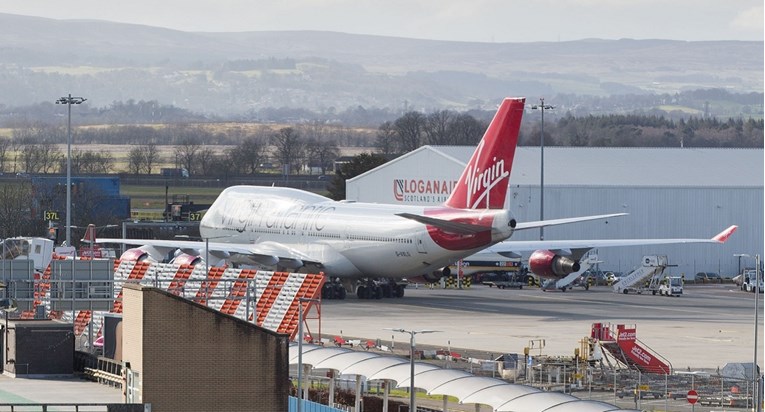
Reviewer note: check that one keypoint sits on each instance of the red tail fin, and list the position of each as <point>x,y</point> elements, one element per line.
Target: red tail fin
<point>90,234</point>
<point>483,184</point>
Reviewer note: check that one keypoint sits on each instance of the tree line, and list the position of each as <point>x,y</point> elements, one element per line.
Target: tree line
<point>310,148</point>
<point>415,129</point>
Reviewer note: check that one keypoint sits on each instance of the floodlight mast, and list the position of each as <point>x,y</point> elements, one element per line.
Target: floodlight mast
<point>69,101</point>
<point>412,404</point>
<point>542,106</point>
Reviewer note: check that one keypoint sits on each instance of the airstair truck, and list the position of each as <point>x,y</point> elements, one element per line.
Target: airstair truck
<point>645,277</point>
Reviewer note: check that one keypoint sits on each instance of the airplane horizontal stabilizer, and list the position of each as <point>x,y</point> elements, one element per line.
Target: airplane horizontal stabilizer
<point>449,226</point>
<point>555,222</point>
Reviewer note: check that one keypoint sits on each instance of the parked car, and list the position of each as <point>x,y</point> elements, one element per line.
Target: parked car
<point>630,393</point>
<point>707,277</point>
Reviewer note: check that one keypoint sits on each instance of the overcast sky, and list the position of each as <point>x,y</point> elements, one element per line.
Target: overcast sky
<point>465,20</point>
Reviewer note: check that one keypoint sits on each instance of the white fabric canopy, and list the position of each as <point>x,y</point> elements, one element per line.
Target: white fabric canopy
<point>500,395</point>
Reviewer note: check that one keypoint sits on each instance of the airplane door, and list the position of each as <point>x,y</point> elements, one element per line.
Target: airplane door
<point>421,245</point>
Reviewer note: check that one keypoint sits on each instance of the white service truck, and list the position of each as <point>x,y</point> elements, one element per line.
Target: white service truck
<point>749,282</point>
<point>671,286</point>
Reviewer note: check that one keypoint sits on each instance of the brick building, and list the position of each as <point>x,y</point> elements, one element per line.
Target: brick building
<point>184,356</point>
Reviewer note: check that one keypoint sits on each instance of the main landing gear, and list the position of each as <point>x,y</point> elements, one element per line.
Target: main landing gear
<point>365,289</point>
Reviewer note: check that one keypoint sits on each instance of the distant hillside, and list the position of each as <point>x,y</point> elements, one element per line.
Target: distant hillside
<point>229,74</point>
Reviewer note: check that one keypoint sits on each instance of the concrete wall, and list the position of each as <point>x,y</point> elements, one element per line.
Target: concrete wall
<point>192,358</point>
<point>40,348</point>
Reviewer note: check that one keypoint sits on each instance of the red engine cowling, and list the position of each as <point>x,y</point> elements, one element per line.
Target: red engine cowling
<point>135,254</point>
<point>546,264</point>
<point>431,277</point>
<point>143,253</point>
<point>186,259</point>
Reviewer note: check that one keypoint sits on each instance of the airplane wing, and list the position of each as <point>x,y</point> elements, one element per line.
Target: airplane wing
<point>577,248</point>
<point>265,253</point>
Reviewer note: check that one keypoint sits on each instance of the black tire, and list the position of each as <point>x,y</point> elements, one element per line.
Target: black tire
<point>340,292</point>
<point>626,291</point>
<point>362,292</point>
<point>328,292</point>
<point>399,291</point>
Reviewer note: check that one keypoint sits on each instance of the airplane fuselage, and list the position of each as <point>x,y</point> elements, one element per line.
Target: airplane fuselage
<point>350,239</point>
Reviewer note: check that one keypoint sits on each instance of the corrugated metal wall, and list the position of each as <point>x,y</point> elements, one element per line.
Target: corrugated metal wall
<point>653,213</point>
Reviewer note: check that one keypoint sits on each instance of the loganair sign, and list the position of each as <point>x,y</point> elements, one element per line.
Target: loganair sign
<point>422,190</point>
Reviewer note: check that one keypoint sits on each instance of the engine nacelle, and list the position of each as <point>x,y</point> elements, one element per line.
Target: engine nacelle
<point>186,259</point>
<point>546,264</point>
<point>143,253</point>
<point>432,277</point>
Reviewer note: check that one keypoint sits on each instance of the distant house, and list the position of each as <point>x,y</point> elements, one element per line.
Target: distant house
<point>340,161</point>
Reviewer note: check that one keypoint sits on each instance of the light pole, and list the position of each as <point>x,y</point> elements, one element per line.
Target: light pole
<point>69,101</point>
<point>412,403</point>
<point>755,373</point>
<point>542,106</point>
<point>300,351</point>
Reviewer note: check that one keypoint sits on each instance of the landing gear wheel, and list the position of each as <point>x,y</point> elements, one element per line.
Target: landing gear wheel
<point>399,291</point>
<point>362,292</point>
<point>387,291</point>
<point>328,292</point>
<point>340,292</point>
<point>376,292</point>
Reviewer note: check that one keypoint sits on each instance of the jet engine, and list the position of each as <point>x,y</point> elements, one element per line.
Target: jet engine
<point>186,259</point>
<point>547,264</point>
<point>143,253</point>
<point>434,276</point>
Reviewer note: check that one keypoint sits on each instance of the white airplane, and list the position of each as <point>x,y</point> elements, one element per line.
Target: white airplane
<point>356,244</point>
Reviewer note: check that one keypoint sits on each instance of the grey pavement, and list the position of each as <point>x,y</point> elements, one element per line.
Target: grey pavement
<point>56,390</point>
<point>706,328</point>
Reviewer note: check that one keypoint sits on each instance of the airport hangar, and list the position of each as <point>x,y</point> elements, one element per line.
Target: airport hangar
<point>668,193</point>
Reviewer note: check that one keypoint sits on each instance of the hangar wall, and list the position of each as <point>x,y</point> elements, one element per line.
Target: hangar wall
<point>668,193</point>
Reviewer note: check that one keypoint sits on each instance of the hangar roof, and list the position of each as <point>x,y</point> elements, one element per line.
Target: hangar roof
<point>600,166</point>
<point>468,388</point>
